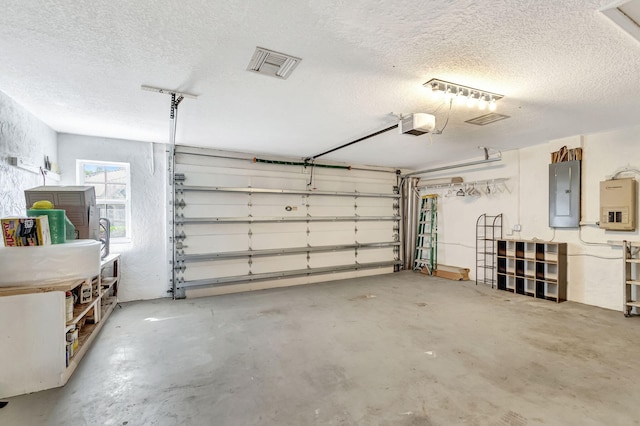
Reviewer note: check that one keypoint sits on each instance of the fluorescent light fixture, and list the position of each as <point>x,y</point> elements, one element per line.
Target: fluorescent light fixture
<point>464,94</point>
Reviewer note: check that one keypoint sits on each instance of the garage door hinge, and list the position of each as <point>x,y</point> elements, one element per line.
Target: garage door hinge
<point>179,177</point>
<point>181,204</point>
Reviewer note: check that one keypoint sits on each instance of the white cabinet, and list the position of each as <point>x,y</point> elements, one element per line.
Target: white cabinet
<point>34,328</point>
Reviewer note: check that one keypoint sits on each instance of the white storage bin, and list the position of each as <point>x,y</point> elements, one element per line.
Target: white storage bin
<point>52,263</point>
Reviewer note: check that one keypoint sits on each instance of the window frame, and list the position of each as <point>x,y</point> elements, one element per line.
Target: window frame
<point>80,180</point>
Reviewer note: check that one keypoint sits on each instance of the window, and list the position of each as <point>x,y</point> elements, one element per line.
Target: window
<point>113,193</point>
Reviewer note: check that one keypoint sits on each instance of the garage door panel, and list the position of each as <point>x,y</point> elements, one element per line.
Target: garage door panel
<point>366,227</point>
<point>375,236</point>
<point>277,211</point>
<point>203,229</point>
<point>263,265</point>
<point>335,185</point>
<point>219,210</point>
<point>279,183</point>
<point>375,187</point>
<point>216,269</point>
<point>322,260</point>
<point>331,201</point>
<point>322,227</point>
<point>215,179</point>
<point>279,227</point>
<point>260,199</point>
<point>375,255</point>
<point>328,211</point>
<point>346,185</point>
<point>328,238</point>
<point>215,198</point>
<point>385,203</point>
<point>374,211</point>
<point>275,240</point>
<point>198,244</point>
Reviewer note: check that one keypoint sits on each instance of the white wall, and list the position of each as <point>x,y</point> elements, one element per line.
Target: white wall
<point>594,271</point>
<point>21,135</point>
<point>144,260</point>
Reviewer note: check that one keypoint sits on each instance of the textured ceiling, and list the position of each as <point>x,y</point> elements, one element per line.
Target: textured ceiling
<point>78,65</point>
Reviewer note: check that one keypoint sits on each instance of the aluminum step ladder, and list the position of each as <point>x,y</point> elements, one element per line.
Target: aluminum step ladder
<point>426,255</point>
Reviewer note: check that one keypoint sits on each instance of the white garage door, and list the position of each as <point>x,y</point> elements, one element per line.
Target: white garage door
<point>242,224</point>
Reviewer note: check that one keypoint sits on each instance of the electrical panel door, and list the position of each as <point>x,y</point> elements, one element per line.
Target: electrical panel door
<point>564,194</point>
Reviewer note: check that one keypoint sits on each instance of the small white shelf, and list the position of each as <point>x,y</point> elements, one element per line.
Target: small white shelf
<point>631,280</point>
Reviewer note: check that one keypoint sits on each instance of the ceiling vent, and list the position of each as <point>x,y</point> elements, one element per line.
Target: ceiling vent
<point>274,64</point>
<point>483,120</point>
<point>626,15</point>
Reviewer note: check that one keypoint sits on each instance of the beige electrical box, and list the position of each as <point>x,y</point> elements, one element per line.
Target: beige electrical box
<point>618,204</point>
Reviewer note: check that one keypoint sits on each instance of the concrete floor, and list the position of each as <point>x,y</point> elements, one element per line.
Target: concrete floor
<point>401,349</point>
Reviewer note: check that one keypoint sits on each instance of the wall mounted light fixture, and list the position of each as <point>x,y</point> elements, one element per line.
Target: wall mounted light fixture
<point>463,94</point>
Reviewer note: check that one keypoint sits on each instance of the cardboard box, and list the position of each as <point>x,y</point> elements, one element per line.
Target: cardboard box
<point>452,273</point>
<point>26,231</point>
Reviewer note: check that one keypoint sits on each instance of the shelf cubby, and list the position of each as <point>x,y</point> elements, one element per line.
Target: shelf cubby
<point>529,287</point>
<point>529,250</point>
<point>529,268</point>
<point>502,248</point>
<point>502,265</point>
<point>502,281</point>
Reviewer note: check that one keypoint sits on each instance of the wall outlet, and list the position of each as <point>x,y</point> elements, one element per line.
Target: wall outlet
<point>517,228</point>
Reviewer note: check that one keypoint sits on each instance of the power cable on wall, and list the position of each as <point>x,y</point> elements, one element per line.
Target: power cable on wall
<point>626,170</point>
<point>458,244</point>
<point>593,255</point>
<point>439,132</point>
<point>588,243</point>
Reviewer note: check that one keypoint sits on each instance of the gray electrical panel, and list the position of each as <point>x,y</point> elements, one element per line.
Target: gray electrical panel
<point>564,194</point>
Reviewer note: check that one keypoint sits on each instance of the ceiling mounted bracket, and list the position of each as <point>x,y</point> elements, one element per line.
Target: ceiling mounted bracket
<point>176,97</point>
